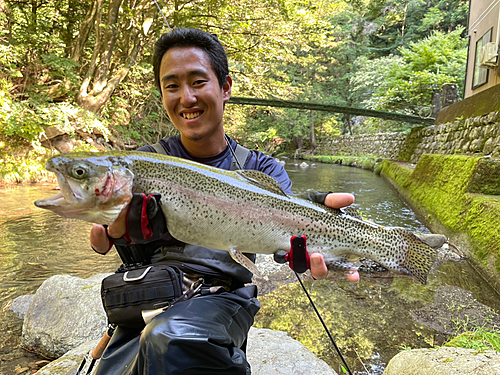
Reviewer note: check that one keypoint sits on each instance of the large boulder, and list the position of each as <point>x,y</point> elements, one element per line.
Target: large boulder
<point>65,312</point>
<point>274,352</point>
<point>444,361</point>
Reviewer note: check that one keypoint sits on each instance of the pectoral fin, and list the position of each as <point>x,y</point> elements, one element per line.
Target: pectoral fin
<point>239,258</point>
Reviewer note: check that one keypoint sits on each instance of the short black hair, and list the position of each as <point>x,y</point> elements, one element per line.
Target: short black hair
<point>187,37</point>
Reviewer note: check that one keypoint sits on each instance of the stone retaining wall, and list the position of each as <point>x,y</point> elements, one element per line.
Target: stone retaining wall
<point>476,136</point>
<point>385,145</point>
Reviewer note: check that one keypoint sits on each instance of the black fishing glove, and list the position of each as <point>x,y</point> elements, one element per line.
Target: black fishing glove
<point>145,220</point>
<point>314,196</point>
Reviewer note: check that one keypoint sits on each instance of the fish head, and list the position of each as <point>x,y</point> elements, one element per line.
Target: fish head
<point>93,189</point>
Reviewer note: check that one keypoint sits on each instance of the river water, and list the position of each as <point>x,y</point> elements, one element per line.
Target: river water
<point>370,319</point>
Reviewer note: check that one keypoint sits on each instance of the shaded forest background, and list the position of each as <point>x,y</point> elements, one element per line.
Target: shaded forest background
<point>83,67</point>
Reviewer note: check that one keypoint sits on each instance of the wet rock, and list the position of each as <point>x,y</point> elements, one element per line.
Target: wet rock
<point>65,312</point>
<point>455,310</point>
<point>20,305</point>
<point>444,361</point>
<point>272,274</point>
<point>69,362</point>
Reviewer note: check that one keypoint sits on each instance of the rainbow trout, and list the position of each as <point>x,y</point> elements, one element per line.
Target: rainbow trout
<point>237,211</point>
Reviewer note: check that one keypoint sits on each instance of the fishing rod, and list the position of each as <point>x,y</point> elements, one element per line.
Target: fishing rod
<point>164,18</point>
<point>324,325</point>
<point>298,261</point>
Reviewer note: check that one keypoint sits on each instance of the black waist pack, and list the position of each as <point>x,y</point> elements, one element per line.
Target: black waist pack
<point>126,294</point>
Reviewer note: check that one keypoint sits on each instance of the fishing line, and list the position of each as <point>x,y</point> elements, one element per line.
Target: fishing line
<point>232,151</point>
<point>164,19</point>
<point>324,325</point>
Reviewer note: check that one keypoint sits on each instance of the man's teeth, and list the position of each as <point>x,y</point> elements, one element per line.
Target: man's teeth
<point>191,115</point>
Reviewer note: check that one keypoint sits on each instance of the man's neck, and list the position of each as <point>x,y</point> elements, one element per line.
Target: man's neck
<point>205,147</point>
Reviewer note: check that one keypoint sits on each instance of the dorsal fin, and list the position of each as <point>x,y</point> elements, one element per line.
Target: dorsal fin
<point>261,180</point>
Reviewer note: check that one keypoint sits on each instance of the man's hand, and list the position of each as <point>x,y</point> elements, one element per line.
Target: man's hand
<point>318,266</point>
<point>98,238</point>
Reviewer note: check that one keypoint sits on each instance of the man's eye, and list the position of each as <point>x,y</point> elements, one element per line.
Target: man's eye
<point>199,82</point>
<point>171,86</point>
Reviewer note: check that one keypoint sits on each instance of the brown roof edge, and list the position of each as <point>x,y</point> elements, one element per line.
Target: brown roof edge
<point>479,104</point>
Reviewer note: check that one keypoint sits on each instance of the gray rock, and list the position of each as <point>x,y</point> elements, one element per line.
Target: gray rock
<point>455,310</point>
<point>21,304</point>
<point>270,352</point>
<point>68,364</point>
<point>444,361</point>
<point>65,312</point>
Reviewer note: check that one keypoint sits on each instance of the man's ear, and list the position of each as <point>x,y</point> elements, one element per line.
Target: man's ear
<point>226,89</point>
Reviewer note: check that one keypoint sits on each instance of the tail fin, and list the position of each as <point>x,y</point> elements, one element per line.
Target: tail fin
<point>419,257</point>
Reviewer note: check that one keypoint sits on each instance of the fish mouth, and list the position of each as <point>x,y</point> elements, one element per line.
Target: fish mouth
<point>71,194</point>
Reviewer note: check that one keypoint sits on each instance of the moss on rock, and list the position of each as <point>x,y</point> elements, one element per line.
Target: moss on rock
<point>397,172</point>
<point>440,185</point>
<point>486,177</point>
<point>411,142</point>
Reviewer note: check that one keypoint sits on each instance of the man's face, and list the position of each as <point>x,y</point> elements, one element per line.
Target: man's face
<point>191,94</point>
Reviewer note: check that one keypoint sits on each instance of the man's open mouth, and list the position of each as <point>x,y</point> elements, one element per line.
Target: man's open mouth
<point>191,115</point>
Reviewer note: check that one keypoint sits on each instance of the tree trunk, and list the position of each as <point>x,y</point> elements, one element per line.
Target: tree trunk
<point>100,80</point>
<point>347,124</point>
<point>94,100</point>
<point>85,28</point>
<point>312,137</point>
<point>109,41</point>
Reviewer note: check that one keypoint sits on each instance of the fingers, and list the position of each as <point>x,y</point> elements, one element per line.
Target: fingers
<point>119,226</point>
<point>319,270</point>
<point>339,200</point>
<point>98,239</point>
<point>352,275</point>
<point>318,266</point>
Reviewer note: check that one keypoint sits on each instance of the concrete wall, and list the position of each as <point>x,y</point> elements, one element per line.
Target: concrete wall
<point>476,136</point>
<point>484,16</point>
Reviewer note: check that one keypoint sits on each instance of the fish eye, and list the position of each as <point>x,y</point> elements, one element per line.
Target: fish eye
<point>79,171</point>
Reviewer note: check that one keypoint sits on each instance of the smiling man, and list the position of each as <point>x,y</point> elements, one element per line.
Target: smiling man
<point>206,334</point>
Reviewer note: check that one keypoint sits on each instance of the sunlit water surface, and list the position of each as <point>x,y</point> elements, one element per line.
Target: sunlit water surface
<point>370,320</point>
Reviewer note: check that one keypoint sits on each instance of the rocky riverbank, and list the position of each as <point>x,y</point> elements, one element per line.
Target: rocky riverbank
<point>53,326</point>
<point>65,319</point>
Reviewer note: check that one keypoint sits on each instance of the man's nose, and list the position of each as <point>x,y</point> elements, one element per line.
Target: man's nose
<point>188,96</point>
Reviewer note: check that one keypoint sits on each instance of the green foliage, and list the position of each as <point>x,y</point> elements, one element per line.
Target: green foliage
<point>368,53</point>
<point>480,339</point>
<point>408,82</point>
<point>473,335</point>
<point>22,169</point>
